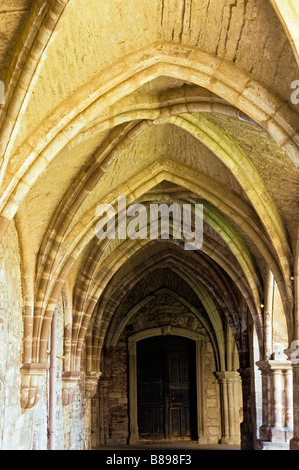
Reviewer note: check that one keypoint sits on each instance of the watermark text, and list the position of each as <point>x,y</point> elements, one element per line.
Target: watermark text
<point>139,222</point>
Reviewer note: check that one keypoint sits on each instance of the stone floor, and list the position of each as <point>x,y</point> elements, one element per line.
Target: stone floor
<point>173,445</point>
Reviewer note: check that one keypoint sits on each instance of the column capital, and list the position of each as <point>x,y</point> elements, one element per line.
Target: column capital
<point>31,381</point>
<point>70,379</point>
<point>263,366</point>
<point>274,365</point>
<point>91,383</point>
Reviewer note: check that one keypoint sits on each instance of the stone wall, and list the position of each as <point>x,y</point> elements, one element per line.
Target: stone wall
<point>18,430</point>
<point>72,431</point>
<point>28,430</point>
<point>161,312</point>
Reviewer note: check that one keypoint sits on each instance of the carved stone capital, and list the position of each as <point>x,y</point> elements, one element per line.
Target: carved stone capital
<point>269,366</point>
<point>91,383</point>
<point>31,381</point>
<point>69,385</point>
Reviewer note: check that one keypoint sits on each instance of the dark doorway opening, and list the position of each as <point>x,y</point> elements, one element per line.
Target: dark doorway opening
<point>166,386</point>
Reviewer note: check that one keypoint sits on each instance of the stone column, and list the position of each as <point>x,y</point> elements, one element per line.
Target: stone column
<point>289,399</point>
<point>87,420</point>
<point>91,383</point>
<point>104,411</point>
<point>294,444</point>
<point>293,355</point>
<point>247,423</point>
<point>91,387</point>
<point>277,428</point>
<point>200,392</point>
<point>133,393</point>
<point>230,387</point>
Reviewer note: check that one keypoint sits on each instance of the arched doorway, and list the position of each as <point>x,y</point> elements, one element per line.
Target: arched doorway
<point>166,388</point>
<point>166,385</point>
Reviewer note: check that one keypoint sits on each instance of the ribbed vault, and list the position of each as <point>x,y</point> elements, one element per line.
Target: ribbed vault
<point>185,102</point>
<point>169,279</point>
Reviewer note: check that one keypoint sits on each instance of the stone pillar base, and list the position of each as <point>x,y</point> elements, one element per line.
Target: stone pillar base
<point>133,441</point>
<point>277,439</point>
<point>246,435</point>
<point>202,440</point>
<point>294,443</point>
<point>230,441</point>
<point>265,433</point>
<point>272,434</point>
<point>268,445</point>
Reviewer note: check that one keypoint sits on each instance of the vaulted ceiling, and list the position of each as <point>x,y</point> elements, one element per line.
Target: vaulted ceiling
<point>159,100</point>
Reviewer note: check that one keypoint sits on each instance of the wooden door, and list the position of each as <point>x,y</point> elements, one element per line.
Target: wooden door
<point>166,379</point>
<point>151,406</point>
